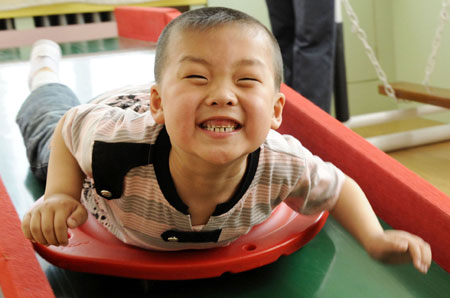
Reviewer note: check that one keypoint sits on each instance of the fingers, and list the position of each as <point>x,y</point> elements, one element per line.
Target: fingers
<point>44,227</point>
<point>416,256</point>
<point>419,251</point>
<point>26,227</point>
<point>421,255</point>
<point>47,223</point>
<point>426,256</point>
<point>36,228</point>
<point>61,228</point>
<point>78,217</point>
<point>47,227</point>
<point>400,247</point>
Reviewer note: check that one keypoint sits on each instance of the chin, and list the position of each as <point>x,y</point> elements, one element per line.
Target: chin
<point>224,158</point>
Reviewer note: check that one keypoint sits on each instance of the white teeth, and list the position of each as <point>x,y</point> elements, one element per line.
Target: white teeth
<point>228,128</point>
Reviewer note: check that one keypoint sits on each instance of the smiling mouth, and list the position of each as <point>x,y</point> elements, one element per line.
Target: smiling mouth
<point>220,126</point>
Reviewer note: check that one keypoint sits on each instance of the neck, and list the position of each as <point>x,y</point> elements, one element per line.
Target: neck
<point>199,181</point>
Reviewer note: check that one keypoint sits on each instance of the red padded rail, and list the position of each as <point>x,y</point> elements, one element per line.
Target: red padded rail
<point>20,273</point>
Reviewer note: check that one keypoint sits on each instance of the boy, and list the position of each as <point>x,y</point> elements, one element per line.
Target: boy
<point>195,162</point>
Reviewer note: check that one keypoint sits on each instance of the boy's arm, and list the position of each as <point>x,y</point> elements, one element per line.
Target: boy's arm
<point>355,214</point>
<point>47,222</point>
<point>64,175</point>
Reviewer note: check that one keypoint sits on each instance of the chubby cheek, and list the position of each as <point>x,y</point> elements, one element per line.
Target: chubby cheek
<point>177,106</point>
<point>258,132</point>
<point>259,122</point>
<point>180,121</point>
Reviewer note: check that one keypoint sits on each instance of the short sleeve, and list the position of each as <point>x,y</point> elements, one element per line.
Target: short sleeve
<point>319,182</point>
<point>78,132</point>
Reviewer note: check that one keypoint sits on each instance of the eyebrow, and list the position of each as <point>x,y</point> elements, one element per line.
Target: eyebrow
<point>249,62</point>
<point>199,60</point>
<point>193,59</point>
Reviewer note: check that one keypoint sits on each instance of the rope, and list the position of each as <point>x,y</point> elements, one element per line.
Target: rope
<point>436,42</point>
<point>356,29</point>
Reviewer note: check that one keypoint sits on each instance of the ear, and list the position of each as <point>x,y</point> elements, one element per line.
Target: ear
<point>156,107</point>
<point>278,106</point>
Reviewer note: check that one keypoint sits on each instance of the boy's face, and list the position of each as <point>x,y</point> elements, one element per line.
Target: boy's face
<point>216,95</point>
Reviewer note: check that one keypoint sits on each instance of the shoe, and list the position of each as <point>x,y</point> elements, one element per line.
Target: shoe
<point>44,53</point>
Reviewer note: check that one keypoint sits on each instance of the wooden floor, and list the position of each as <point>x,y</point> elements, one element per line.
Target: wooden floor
<point>431,162</point>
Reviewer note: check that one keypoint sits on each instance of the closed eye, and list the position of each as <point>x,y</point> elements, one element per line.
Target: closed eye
<point>195,77</point>
<point>248,82</point>
<point>249,79</point>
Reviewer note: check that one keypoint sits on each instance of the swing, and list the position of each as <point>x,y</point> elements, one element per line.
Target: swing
<point>422,93</point>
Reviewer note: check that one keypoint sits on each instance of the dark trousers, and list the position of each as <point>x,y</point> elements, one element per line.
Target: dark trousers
<point>37,119</point>
<point>305,30</point>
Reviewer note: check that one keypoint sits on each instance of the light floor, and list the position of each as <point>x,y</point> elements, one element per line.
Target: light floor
<point>331,265</point>
<point>431,162</point>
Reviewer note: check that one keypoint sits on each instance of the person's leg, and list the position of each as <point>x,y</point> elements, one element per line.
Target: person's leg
<point>43,108</point>
<point>314,46</point>
<point>282,20</point>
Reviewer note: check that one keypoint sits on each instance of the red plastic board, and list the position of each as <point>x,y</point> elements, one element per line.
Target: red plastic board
<point>93,249</point>
<point>143,23</point>
<point>20,273</point>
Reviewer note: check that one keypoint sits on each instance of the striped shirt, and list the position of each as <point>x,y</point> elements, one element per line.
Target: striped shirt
<point>128,188</point>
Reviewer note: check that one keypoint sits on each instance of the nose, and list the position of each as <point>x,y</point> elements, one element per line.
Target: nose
<point>221,96</point>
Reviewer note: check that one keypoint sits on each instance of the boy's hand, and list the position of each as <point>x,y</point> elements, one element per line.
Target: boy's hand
<point>47,222</point>
<point>394,246</point>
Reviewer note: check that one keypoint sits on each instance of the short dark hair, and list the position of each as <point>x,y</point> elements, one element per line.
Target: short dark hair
<point>210,17</point>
